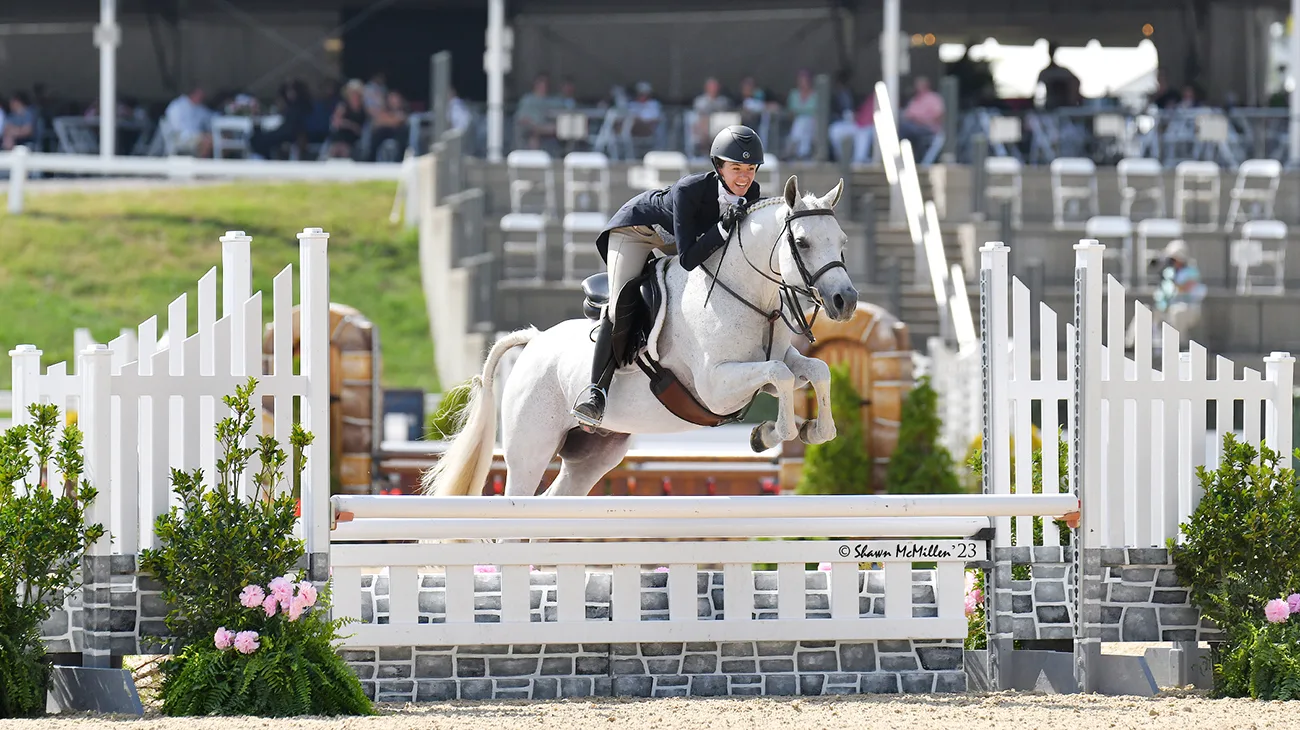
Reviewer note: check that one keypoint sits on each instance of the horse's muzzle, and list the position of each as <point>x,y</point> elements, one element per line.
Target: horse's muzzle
<point>841,304</point>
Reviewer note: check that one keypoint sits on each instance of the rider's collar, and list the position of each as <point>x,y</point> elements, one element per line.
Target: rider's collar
<point>725,196</point>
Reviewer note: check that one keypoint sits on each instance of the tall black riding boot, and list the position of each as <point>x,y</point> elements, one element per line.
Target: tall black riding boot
<point>590,411</point>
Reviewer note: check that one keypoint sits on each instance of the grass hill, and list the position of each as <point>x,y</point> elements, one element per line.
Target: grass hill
<point>110,259</point>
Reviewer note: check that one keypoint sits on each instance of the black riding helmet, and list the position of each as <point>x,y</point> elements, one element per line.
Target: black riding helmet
<point>737,143</point>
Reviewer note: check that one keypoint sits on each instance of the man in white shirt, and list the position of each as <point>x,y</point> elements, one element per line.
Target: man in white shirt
<point>189,124</point>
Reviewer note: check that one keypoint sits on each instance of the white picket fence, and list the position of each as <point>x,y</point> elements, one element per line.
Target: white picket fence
<point>145,415</point>
<point>955,377</point>
<point>1137,432</point>
<point>928,528</point>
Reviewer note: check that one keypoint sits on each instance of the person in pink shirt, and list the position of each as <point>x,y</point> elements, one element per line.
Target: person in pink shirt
<point>922,118</point>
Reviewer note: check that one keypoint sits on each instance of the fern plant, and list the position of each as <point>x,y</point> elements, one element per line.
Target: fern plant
<point>287,665</point>
<point>283,660</point>
<point>42,538</point>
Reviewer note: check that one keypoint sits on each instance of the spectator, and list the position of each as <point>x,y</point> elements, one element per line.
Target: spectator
<point>842,106</point>
<point>922,118</point>
<point>322,112</point>
<point>859,127</point>
<point>376,93</point>
<point>348,122</point>
<point>458,114</point>
<point>975,85</point>
<point>644,113</point>
<point>20,124</point>
<point>190,124</point>
<point>535,116</point>
<point>568,94</point>
<point>706,104</point>
<point>1178,296</point>
<point>753,102</point>
<point>388,126</point>
<point>1164,97</point>
<point>802,104</point>
<point>1060,85</point>
<point>294,105</point>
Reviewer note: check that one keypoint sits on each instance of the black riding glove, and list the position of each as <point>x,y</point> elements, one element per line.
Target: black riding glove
<point>732,216</point>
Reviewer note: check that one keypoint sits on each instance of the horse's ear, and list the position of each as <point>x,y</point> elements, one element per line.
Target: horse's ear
<point>792,191</point>
<point>830,199</point>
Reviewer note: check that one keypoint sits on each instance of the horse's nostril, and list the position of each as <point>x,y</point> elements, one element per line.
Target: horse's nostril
<point>839,301</point>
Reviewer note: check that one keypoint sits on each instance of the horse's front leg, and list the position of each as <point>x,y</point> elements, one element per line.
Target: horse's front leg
<point>814,371</point>
<point>732,382</point>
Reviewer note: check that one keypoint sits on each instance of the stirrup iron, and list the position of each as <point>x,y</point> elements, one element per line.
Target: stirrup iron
<point>588,423</point>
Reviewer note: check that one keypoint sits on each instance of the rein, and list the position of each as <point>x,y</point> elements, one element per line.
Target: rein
<point>789,293</point>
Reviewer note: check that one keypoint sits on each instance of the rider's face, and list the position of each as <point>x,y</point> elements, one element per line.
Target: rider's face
<point>737,177</point>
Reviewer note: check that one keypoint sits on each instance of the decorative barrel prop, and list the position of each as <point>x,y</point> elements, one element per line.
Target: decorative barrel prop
<point>877,348</point>
<point>354,395</point>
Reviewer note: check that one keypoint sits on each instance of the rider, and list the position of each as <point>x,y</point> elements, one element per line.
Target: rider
<point>699,211</point>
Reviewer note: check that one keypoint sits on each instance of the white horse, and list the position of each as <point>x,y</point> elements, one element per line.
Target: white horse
<point>716,343</point>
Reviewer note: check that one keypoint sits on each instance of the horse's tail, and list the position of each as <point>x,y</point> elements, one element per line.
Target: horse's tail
<point>464,466</point>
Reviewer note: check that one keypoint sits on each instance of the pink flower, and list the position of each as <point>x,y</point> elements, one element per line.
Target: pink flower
<point>223,638</point>
<point>282,590</point>
<point>246,642</point>
<point>976,595</point>
<point>1276,611</point>
<point>662,569</point>
<point>485,568</point>
<point>295,608</point>
<point>252,596</point>
<point>1293,602</point>
<point>269,605</point>
<point>971,604</point>
<point>307,592</point>
<point>824,566</point>
<point>970,581</point>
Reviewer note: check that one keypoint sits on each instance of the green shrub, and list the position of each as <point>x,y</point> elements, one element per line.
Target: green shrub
<point>446,421</point>
<point>841,465</point>
<point>921,464</point>
<point>1241,549</point>
<point>42,539</point>
<point>214,545</point>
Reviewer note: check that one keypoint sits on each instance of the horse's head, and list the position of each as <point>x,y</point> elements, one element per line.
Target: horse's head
<point>812,252</point>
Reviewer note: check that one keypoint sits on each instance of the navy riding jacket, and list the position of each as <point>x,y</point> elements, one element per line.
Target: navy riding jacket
<point>688,209</point>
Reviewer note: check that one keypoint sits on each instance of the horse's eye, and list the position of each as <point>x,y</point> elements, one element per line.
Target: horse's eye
<point>801,243</point>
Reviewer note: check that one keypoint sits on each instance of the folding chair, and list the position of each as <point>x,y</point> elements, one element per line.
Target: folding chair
<point>1262,242</point>
<point>1140,179</point>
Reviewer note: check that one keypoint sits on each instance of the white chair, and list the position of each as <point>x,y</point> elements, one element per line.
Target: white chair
<point>586,174</point>
<point>514,226</point>
<point>1262,242</point>
<point>1140,179</point>
<point>527,169</point>
<point>1163,230</point>
<point>1249,202</point>
<point>1074,180</point>
<point>1114,227</point>
<point>1005,184</point>
<point>1196,182</point>
<point>658,169</point>
<point>580,231</point>
<point>232,134</point>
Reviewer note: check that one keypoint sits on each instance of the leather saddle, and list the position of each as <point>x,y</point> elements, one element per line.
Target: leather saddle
<point>638,308</point>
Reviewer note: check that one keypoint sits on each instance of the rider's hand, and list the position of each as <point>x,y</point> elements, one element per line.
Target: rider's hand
<point>731,216</point>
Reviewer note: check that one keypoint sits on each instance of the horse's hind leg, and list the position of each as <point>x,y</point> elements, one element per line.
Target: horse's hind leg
<point>586,458</point>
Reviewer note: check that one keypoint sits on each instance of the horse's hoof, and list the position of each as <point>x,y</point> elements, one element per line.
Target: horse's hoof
<point>805,432</point>
<point>756,439</point>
